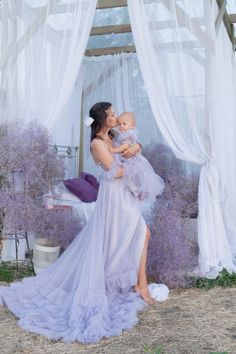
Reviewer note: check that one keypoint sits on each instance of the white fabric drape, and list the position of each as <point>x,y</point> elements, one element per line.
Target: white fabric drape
<point>176,50</point>
<point>117,79</point>
<point>224,84</point>
<point>43,44</point>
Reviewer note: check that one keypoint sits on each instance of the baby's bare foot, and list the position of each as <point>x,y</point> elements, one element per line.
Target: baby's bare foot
<point>145,295</point>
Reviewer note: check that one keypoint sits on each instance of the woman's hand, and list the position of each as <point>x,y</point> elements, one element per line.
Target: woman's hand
<point>131,151</point>
<point>111,149</point>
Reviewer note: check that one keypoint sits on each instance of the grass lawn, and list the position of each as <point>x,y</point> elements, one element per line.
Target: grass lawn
<point>9,273</point>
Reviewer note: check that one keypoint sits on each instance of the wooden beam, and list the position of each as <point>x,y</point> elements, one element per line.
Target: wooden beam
<point>198,21</point>
<point>229,27</point>
<point>12,51</point>
<point>232,18</point>
<point>111,50</point>
<point>222,8</point>
<point>107,4</point>
<point>57,8</point>
<point>126,28</point>
<point>110,29</point>
<point>233,38</point>
<point>197,57</point>
<point>173,46</point>
<point>102,77</point>
<point>186,21</point>
<point>81,140</point>
<point>169,46</point>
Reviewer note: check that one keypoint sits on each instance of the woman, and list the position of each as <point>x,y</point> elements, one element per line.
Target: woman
<point>87,293</point>
<point>101,141</point>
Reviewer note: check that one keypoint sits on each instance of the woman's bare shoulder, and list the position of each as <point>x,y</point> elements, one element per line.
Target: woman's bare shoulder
<point>101,153</point>
<point>97,144</point>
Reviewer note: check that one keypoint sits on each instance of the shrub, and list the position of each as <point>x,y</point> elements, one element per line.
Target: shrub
<point>173,249</point>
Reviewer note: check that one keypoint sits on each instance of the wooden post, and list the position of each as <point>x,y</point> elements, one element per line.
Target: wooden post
<point>81,141</point>
<point>222,8</point>
<point>228,25</point>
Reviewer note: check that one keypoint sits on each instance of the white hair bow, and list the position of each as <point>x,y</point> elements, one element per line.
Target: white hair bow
<point>88,121</point>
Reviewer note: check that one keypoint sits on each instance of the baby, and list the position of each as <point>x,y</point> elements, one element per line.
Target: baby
<point>126,123</point>
<point>139,176</point>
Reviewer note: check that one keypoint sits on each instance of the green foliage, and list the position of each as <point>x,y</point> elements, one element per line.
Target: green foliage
<point>224,279</point>
<point>157,350</point>
<point>9,273</point>
<point>219,353</point>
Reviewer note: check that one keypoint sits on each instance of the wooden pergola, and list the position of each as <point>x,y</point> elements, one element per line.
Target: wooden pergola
<point>193,24</point>
<point>228,20</point>
<point>54,7</point>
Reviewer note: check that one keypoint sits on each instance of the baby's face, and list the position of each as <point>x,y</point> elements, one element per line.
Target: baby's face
<point>125,123</point>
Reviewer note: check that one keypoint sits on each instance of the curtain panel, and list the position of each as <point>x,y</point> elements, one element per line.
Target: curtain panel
<point>177,52</point>
<point>117,79</point>
<point>43,44</point>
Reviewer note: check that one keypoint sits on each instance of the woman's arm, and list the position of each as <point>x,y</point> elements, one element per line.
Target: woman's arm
<point>118,149</point>
<point>102,155</point>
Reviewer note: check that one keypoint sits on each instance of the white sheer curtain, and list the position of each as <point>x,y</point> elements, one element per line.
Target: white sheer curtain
<point>176,48</point>
<point>42,47</point>
<point>117,79</point>
<point>224,84</point>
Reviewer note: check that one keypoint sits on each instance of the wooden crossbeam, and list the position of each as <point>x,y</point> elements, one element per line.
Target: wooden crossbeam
<point>100,80</point>
<point>229,27</point>
<point>187,45</point>
<point>110,50</point>
<point>172,46</point>
<point>126,28</point>
<point>222,8</point>
<point>20,44</point>
<point>185,20</point>
<point>58,8</point>
<point>106,4</point>
<point>232,18</point>
<point>110,29</point>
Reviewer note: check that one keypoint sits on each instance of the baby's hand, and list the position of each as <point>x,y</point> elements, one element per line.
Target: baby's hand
<point>111,149</point>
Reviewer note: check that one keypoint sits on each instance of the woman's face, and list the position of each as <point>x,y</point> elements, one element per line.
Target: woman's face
<point>111,118</point>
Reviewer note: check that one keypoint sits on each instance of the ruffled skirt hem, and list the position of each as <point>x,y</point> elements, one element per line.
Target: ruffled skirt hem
<point>85,318</point>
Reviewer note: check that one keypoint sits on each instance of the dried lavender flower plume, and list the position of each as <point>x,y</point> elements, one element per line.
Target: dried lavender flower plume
<point>173,248</point>
<point>29,168</point>
<point>58,225</point>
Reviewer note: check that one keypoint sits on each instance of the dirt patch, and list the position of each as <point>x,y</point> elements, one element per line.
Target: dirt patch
<point>191,321</point>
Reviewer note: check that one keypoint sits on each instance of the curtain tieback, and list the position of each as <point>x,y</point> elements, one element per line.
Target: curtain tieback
<point>209,179</point>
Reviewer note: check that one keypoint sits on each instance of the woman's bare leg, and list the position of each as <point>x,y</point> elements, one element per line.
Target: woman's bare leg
<point>142,286</point>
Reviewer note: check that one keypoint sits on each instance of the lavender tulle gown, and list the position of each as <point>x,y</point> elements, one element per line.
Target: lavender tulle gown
<point>140,178</point>
<point>86,294</point>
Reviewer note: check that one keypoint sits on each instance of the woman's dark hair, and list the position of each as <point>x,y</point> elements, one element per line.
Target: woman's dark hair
<point>99,114</point>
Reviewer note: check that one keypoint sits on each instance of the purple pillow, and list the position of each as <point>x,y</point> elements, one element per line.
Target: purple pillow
<point>82,189</point>
<point>91,179</point>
